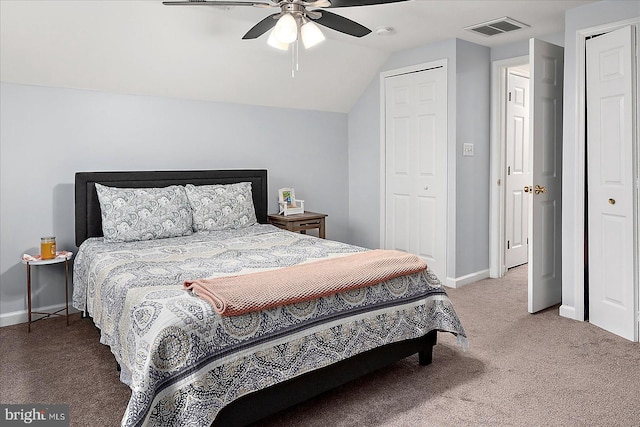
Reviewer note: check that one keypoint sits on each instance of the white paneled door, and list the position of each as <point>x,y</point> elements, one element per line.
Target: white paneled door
<point>416,165</point>
<point>610,180</point>
<point>518,173</point>
<point>545,209</point>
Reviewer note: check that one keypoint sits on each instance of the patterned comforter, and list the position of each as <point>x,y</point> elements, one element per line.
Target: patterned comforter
<point>184,362</point>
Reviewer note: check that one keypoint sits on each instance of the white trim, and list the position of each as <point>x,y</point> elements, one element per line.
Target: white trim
<point>450,195</point>
<point>497,150</point>
<point>636,137</point>
<point>576,263</point>
<point>459,282</point>
<point>567,311</point>
<point>22,316</point>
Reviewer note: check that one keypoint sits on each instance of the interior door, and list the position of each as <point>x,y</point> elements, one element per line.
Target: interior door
<point>610,116</point>
<point>518,173</point>
<point>545,209</point>
<point>416,165</point>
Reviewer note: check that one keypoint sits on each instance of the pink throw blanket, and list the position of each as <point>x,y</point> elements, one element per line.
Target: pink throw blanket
<point>235,295</point>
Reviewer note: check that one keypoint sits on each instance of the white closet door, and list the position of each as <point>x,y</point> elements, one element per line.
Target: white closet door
<point>416,165</point>
<point>610,116</point>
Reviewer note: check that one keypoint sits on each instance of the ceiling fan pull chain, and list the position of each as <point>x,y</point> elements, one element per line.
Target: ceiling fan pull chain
<point>294,58</point>
<point>293,61</point>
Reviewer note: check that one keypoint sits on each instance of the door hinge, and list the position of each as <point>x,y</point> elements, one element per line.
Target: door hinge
<point>508,170</point>
<point>527,240</point>
<point>508,244</point>
<point>509,96</point>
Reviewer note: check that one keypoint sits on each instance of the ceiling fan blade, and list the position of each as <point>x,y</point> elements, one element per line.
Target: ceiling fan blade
<point>261,27</point>
<point>349,3</point>
<point>216,3</point>
<point>316,3</point>
<point>342,24</point>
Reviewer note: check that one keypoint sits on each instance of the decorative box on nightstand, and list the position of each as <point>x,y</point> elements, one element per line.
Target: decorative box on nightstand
<point>287,210</point>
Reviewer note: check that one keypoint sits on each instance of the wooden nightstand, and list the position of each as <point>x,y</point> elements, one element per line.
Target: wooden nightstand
<point>300,222</point>
<point>62,257</point>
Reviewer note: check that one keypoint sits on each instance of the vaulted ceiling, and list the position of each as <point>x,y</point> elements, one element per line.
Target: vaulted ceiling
<point>143,47</point>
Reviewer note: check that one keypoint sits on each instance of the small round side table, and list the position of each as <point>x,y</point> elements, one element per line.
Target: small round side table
<point>61,257</point>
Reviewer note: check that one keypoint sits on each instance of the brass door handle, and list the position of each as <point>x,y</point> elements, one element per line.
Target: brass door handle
<point>527,189</point>
<point>539,189</point>
<point>612,201</point>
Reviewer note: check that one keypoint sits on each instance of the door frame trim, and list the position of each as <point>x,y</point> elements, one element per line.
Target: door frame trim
<point>498,146</point>
<point>573,251</point>
<point>449,194</point>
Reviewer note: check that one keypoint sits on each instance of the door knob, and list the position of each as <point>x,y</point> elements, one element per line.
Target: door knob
<point>612,201</point>
<point>539,189</point>
<point>527,189</point>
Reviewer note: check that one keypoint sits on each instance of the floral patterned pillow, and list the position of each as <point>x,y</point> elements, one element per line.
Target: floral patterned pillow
<point>221,207</point>
<point>131,214</point>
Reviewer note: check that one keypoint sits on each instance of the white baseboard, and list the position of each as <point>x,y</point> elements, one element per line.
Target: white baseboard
<point>22,316</point>
<point>568,311</point>
<point>459,282</point>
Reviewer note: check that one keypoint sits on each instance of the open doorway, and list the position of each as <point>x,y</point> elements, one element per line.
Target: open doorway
<point>544,190</point>
<point>506,211</point>
<point>515,121</point>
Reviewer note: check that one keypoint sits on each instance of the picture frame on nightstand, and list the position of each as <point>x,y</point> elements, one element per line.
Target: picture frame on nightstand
<point>288,203</point>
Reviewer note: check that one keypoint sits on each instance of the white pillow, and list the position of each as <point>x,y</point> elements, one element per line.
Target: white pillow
<point>131,214</point>
<point>221,207</point>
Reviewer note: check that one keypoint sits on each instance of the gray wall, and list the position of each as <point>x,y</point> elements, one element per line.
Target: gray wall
<point>473,95</point>
<point>513,50</point>
<point>48,134</point>
<point>468,78</point>
<point>364,142</point>
<point>331,159</point>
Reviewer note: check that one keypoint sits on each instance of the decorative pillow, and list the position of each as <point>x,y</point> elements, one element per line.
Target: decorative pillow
<point>221,207</point>
<point>131,214</point>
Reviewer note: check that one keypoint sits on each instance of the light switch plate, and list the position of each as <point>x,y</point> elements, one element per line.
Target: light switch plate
<point>467,149</point>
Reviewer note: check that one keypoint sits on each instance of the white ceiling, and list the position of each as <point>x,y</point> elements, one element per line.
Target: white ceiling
<point>143,47</point>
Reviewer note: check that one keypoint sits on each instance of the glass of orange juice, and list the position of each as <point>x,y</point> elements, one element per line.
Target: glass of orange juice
<point>48,247</point>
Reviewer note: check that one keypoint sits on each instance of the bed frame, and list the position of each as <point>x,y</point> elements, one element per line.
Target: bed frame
<point>256,405</point>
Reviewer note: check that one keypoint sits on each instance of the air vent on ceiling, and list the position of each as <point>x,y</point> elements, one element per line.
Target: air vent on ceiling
<point>497,26</point>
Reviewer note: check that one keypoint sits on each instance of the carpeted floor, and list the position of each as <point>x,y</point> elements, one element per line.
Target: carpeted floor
<point>520,370</point>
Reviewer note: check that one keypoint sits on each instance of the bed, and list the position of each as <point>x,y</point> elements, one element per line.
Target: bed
<point>187,364</point>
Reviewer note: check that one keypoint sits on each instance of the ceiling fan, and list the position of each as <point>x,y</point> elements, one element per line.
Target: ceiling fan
<point>296,17</point>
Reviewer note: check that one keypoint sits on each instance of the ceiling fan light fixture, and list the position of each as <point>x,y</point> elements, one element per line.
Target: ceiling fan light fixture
<point>274,42</point>
<point>286,30</point>
<point>311,34</point>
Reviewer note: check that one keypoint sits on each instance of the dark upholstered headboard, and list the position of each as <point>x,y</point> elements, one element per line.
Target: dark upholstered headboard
<point>88,214</point>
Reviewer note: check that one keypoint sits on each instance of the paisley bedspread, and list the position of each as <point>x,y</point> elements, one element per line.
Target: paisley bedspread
<point>184,362</point>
